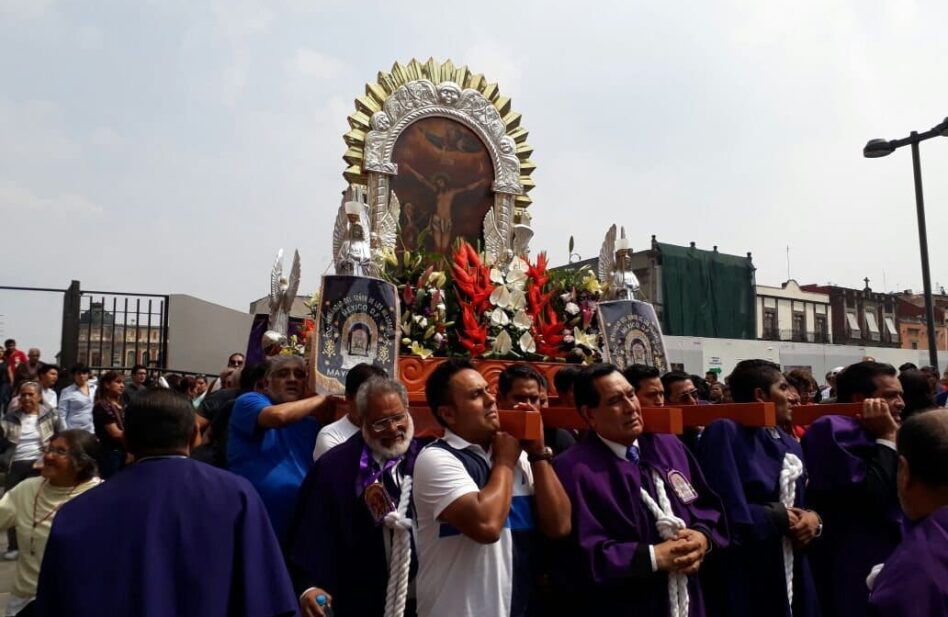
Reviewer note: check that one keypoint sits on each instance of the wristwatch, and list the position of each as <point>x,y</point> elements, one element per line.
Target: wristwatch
<point>545,455</point>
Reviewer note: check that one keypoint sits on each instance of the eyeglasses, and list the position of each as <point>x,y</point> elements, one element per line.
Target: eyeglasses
<point>60,452</point>
<point>692,394</point>
<point>384,423</point>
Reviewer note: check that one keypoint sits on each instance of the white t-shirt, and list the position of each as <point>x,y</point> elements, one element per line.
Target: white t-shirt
<point>457,576</point>
<point>334,434</point>
<point>49,398</point>
<point>28,448</point>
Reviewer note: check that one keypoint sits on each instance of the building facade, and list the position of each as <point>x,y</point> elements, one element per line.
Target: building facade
<point>789,313</point>
<point>861,316</point>
<point>913,326</point>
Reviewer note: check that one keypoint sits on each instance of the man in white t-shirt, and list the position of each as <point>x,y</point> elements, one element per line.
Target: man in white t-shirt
<point>348,425</point>
<point>477,493</point>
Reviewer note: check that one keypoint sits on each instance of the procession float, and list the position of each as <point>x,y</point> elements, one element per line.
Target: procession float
<point>433,257</point>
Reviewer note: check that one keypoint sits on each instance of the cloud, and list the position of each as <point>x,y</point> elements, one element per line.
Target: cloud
<point>312,63</point>
<point>16,198</point>
<point>26,9</point>
<point>89,38</point>
<point>238,19</point>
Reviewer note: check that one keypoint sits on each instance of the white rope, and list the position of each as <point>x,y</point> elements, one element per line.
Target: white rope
<point>789,474</point>
<point>668,526</point>
<point>400,524</point>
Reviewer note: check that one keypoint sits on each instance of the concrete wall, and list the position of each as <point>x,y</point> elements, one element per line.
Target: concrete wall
<point>700,354</point>
<point>201,334</point>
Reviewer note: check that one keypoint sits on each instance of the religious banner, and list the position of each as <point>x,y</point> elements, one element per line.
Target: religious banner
<point>358,322</point>
<point>632,334</point>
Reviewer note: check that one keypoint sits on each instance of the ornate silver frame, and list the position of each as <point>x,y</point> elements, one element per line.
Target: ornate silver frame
<point>420,99</point>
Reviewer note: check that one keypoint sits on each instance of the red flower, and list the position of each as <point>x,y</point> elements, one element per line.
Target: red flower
<point>474,335</point>
<point>472,278</point>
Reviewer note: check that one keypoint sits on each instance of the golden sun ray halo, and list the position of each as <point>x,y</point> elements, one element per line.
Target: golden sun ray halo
<point>376,94</point>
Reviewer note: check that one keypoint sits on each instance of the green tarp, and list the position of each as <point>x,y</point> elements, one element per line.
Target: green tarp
<point>706,293</point>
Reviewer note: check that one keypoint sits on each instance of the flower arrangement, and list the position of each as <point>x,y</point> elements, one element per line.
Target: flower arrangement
<point>524,311</point>
<point>424,314</point>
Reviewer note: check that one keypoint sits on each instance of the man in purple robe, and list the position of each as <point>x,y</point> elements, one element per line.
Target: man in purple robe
<point>338,548</point>
<point>617,562</point>
<point>852,464</point>
<point>914,580</point>
<point>768,529</point>
<point>166,536</point>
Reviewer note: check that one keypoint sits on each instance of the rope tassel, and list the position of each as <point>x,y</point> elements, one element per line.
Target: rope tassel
<point>789,474</point>
<point>400,524</point>
<point>668,525</point>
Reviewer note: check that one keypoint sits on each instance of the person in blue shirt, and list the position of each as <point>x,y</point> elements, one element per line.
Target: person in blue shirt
<point>272,434</point>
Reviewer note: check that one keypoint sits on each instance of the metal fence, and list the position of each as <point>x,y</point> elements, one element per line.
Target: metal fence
<point>110,330</point>
<point>117,330</point>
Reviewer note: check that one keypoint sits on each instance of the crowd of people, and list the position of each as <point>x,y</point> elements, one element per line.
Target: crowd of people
<point>258,497</point>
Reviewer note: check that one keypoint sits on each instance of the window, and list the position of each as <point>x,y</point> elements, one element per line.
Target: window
<point>854,330</point>
<point>872,325</point>
<point>822,333</point>
<point>799,327</point>
<point>890,327</point>
<point>770,324</point>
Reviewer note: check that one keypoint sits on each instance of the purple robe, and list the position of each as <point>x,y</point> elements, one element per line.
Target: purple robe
<point>334,542</point>
<point>605,565</point>
<point>914,581</point>
<point>165,536</point>
<point>852,486</point>
<point>742,464</point>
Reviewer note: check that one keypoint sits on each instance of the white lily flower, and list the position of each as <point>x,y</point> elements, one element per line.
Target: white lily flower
<point>502,344</point>
<point>516,279</point>
<point>522,320</point>
<point>571,308</point>
<point>500,296</point>
<point>527,344</point>
<point>590,341</point>
<point>520,265</point>
<point>499,317</point>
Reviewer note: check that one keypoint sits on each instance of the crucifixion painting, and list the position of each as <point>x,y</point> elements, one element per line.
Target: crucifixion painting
<point>443,182</point>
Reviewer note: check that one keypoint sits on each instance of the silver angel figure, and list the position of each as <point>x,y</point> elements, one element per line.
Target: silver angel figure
<point>384,234</point>
<point>497,231</point>
<point>350,244</point>
<point>615,267</point>
<point>282,294</point>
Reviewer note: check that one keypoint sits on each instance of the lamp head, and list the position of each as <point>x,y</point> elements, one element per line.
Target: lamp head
<point>877,148</point>
<point>943,128</point>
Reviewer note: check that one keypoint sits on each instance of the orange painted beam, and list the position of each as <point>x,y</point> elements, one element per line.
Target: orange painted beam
<point>526,425</point>
<point>655,419</point>
<point>745,414</point>
<point>805,415</point>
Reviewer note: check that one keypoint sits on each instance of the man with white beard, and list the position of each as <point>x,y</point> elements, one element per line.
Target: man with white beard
<point>343,537</point>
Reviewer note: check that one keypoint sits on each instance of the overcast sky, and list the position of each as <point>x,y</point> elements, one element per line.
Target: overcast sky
<point>174,146</point>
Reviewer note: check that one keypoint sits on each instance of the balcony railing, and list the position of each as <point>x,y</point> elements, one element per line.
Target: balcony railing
<point>796,336</point>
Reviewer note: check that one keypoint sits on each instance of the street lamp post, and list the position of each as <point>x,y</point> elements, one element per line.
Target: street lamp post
<point>877,148</point>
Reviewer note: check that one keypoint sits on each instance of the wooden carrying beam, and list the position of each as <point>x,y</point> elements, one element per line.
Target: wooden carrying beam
<point>655,419</point>
<point>526,425</point>
<point>804,415</point>
<point>745,414</point>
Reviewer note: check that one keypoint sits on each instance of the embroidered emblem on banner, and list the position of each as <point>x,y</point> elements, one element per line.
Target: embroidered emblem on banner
<point>378,501</point>
<point>682,487</point>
